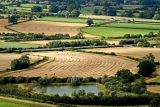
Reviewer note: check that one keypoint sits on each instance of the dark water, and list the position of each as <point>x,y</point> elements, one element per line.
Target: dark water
<point>65,89</point>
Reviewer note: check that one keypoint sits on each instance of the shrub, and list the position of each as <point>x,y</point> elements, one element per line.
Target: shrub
<point>146,67</point>
<point>21,63</point>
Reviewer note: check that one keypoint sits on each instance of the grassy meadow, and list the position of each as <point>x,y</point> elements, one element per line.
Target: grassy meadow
<point>120,29</point>
<point>16,45</point>
<point>69,20</point>
<point>11,102</point>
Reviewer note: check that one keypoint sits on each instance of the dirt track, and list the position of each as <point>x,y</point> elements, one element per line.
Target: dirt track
<point>67,64</point>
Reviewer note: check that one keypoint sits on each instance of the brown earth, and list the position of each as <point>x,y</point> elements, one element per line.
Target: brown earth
<point>67,64</point>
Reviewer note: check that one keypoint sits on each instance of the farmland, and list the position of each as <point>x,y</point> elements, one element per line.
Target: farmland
<point>12,102</point>
<point>48,28</point>
<point>3,23</point>
<point>7,58</point>
<point>120,29</point>
<point>16,45</point>
<point>68,64</point>
<point>79,53</point>
<point>136,52</point>
<point>69,20</point>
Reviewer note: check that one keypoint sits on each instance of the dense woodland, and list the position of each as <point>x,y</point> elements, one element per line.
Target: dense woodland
<point>72,8</point>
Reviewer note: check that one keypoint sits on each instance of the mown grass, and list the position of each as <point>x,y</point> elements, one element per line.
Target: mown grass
<point>69,20</point>
<point>16,45</point>
<point>115,32</point>
<point>7,102</point>
<point>120,29</point>
<point>136,25</point>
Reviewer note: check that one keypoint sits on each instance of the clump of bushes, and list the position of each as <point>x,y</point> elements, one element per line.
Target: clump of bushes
<point>21,63</point>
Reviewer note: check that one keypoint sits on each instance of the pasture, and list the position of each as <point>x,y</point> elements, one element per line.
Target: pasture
<point>115,32</point>
<point>120,29</point>
<point>70,64</point>
<point>69,20</point>
<point>12,102</point>
<point>16,45</point>
<point>48,28</point>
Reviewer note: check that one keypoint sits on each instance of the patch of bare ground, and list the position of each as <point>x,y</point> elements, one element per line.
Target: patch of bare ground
<point>69,64</point>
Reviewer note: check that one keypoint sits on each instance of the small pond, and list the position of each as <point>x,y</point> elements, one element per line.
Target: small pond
<point>65,89</point>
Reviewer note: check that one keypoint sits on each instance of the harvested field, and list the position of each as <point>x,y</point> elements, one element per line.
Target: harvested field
<point>6,59</point>
<point>48,27</point>
<point>67,64</point>
<point>3,23</point>
<point>136,52</point>
<point>154,88</point>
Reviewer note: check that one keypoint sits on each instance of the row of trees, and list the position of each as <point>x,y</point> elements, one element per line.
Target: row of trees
<point>57,44</point>
<point>34,36</point>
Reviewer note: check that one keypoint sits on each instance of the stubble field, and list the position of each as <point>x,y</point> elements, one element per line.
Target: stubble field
<point>48,28</point>
<point>6,59</point>
<point>69,64</point>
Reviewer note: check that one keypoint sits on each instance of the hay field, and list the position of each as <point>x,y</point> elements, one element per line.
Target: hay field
<point>154,88</point>
<point>136,52</point>
<point>67,64</point>
<point>48,27</point>
<point>3,23</point>
<point>6,58</point>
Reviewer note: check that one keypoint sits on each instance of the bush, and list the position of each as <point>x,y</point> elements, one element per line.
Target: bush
<point>126,75</point>
<point>146,67</point>
<point>21,63</point>
<point>75,81</point>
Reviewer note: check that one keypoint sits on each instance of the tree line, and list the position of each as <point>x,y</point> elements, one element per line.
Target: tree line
<point>39,36</point>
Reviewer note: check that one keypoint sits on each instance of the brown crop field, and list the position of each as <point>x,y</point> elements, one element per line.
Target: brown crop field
<point>6,59</point>
<point>48,27</point>
<point>69,64</point>
<point>154,88</point>
<point>136,52</point>
<point>3,23</point>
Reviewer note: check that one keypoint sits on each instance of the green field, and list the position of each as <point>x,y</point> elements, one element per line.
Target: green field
<point>25,7</point>
<point>89,10</point>
<point>120,29</point>
<point>69,20</point>
<point>10,102</point>
<point>16,45</point>
<point>156,80</point>
<point>136,25</point>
